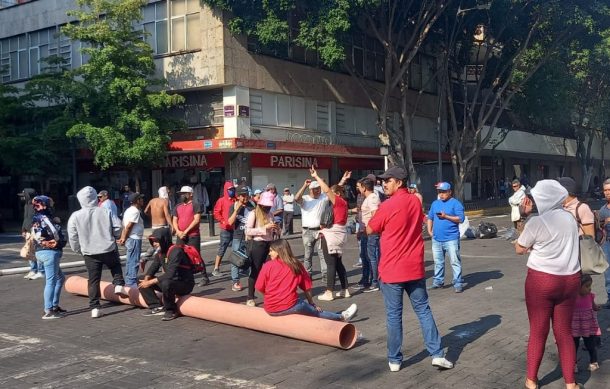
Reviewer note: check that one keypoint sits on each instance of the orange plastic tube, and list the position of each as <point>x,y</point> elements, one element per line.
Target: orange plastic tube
<point>311,329</point>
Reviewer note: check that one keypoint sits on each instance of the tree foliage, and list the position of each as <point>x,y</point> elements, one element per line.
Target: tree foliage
<point>118,108</point>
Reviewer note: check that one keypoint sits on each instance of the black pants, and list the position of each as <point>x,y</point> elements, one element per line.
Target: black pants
<point>169,289</point>
<point>288,223</point>
<point>194,241</point>
<point>94,264</point>
<point>334,265</point>
<point>259,250</point>
<point>590,344</point>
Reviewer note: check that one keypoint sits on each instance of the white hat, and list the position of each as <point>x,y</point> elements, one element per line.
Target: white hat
<point>314,185</point>
<point>186,189</point>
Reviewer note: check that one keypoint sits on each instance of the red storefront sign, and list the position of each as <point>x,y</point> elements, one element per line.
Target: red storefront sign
<point>290,161</point>
<point>200,160</point>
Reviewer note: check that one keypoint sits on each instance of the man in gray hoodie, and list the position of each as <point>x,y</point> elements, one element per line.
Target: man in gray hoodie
<point>92,232</point>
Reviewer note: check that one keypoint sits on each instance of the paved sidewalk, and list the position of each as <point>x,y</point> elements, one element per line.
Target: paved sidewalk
<point>484,331</point>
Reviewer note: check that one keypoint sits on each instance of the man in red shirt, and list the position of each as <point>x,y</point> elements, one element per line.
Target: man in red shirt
<point>401,266</point>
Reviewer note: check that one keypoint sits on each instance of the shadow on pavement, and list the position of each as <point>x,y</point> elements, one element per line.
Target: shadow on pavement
<point>459,337</point>
<point>473,279</point>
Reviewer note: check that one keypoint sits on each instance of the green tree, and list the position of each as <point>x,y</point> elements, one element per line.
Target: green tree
<point>490,55</point>
<point>400,27</point>
<point>119,110</point>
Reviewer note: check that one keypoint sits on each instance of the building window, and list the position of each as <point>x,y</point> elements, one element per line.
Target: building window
<point>172,26</point>
<point>155,26</point>
<point>422,74</point>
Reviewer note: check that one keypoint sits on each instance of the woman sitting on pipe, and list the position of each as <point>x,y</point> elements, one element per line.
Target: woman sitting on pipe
<point>279,279</point>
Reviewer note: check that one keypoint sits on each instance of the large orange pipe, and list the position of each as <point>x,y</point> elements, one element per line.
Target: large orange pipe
<point>311,329</point>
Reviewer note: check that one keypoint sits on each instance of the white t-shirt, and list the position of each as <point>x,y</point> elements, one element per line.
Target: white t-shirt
<point>132,214</point>
<point>311,210</point>
<point>368,207</point>
<point>288,203</point>
<point>553,238</point>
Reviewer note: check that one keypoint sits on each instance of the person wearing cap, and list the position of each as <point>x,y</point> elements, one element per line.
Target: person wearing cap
<point>221,214</point>
<point>413,190</point>
<point>256,195</point>
<point>278,206</point>
<point>401,267</point>
<point>131,237</point>
<point>312,206</point>
<point>239,215</point>
<point>515,201</point>
<point>261,230</point>
<point>104,201</point>
<point>581,211</point>
<point>445,215</point>
<point>370,265</point>
<point>92,232</point>
<point>288,201</point>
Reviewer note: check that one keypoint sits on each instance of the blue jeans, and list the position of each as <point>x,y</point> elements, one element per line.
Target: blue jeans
<point>366,265</point>
<point>236,272</point>
<point>49,259</point>
<point>392,298</point>
<point>226,237</point>
<point>134,248</point>
<point>302,307</point>
<point>372,252</point>
<point>452,249</point>
<point>36,267</point>
<point>606,247</point>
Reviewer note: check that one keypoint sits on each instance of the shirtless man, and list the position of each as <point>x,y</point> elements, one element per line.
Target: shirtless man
<point>158,209</point>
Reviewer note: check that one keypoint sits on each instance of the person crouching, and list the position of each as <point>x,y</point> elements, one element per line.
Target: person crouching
<point>177,277</point>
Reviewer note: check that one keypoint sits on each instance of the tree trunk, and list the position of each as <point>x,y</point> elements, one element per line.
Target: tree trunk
<point>407,125</point>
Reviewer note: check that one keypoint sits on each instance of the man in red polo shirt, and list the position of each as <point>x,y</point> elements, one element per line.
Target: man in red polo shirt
<point>401,266</point>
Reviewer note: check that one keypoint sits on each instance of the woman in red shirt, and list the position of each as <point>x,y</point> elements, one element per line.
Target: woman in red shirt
<point>279,279</point>
<point>332,239</point>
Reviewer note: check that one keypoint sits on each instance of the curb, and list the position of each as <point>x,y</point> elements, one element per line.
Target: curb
<point>488,212</point>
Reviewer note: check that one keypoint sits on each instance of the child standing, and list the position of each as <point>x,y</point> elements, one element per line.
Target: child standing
<point>278,281</point>
<point>584,321</point>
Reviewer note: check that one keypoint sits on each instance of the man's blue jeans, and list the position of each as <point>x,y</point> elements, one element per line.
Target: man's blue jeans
<point>392,298</point>
<point>226,237</point>
<point>302,307</point>
<point>366,264</point>
<point>134,248</point>
<point>606,248</point>
<point>49,259</point>
<point>452,249</point>
<point>236,272</point>
<point>372,252</point>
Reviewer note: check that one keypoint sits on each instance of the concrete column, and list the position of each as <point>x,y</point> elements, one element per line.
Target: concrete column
<point>236,110</point>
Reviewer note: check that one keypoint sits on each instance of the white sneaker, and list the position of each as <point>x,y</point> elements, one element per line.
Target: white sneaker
<point>30,274</point>
<point>394,367</point>
<point>120,290</point>
<point>350,312</point>
<point>36,276</point>
<point>96,313</point>
<point>343,293</point>
<point>251,303</point>
<point>442,363</point>
<point>326,296</point>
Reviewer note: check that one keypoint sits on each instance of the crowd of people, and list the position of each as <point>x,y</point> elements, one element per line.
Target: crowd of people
<point>389,216</point>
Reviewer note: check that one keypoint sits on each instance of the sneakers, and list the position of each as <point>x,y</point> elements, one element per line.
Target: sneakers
<point>357,264</point>
<point>169,315</point>
<point>593,366</point>
<point>442,363</point>
<point>358,287</point>
<point>204,281</point>
<point>28,275</point>
<point>343,294</point>
<point>236,287</point>
<point>120,290</point>
<point>251,303</point>
<point>394,367</point>
<point>459,289</point>
<point>216,272</point>
<point>326,296</point>
<point>59,310</point>
<point>37,276</point>
<point>372,288</point>
<point>434,286</point>
<point>157,311</point>
<point>96,313</point>
<point>52,315</point>
<point>349,313</point>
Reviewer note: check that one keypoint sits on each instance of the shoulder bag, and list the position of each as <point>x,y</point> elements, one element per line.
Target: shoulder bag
<point>592,257</point>
<point>27,251</point>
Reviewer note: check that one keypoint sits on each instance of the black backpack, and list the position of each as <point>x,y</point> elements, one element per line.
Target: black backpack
<point>487,230</point>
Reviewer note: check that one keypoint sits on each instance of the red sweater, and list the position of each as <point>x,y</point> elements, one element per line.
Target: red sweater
<point>223,206</point>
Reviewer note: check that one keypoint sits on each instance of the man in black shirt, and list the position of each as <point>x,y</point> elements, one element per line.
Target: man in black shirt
<point>238,214</point>
<point>177,277</point>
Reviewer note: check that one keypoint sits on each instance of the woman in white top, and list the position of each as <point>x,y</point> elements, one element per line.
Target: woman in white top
<point>553,277</point>
<point>261,230</point>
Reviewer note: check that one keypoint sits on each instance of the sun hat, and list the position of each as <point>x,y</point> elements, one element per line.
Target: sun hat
<point>266,199</point>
